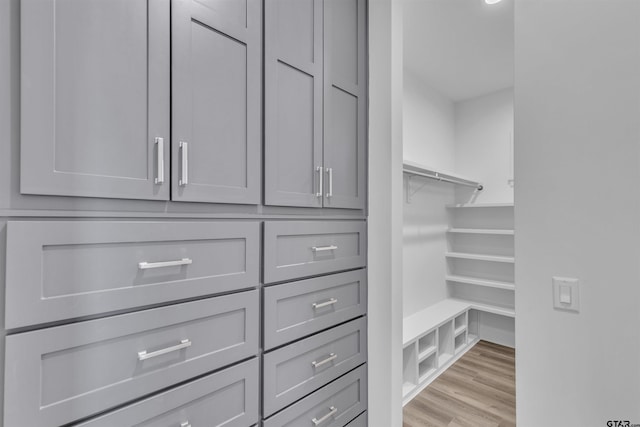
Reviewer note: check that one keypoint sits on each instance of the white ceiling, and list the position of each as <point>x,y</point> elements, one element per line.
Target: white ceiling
<point>462,48</point>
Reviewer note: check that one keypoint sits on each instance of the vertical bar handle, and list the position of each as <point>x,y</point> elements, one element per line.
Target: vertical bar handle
<point>330,172</point>
<point>332,411</point>
<point>184,177</point>
<point>160,166</point>
<point>320,177</point>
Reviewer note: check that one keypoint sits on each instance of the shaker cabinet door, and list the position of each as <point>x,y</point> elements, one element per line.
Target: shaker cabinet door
<point>293,103</point>
<point>95,98</point>
<point>216,100</point>
<point>344,103</point>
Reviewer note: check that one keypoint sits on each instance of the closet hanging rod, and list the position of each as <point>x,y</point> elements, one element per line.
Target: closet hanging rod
<point>414,170</point>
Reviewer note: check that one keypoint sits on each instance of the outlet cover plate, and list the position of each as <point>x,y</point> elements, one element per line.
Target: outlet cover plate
<point>566,293</point>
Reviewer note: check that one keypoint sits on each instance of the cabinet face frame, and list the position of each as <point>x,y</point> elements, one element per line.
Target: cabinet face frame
<point>203,33</point>
<point>46,168</point>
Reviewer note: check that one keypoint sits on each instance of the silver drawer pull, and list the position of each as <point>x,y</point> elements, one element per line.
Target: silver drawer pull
<point>147,265</point>
<point>324,248</point>
<point>332,356</point>
<point>185,424</point>
<point>143,355</point>
<point>184,173</point>
<point>332,412</point>
<point>330,172</point>
<point>160,174</point>
<point>319,170</point>
<point>325,303</point>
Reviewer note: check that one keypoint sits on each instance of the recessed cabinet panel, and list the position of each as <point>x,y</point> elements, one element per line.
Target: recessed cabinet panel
<point>216,101</point>
<point>293,103</point>
<point>94,98</point>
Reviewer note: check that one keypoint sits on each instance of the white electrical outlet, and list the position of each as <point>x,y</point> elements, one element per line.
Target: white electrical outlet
<point>566,295</point>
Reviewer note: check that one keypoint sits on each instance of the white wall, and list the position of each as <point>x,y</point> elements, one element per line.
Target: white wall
<point>385,214</point>
<point>428,130</point>
<point>425,223</point>
<point>483,146</point>
<point>577,133</point>
<point>428,122</point>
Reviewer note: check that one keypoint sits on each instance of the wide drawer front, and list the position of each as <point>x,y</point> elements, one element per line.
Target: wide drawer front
<point>228,398</point>
<point>334,405</point>
<point>59,270</point>
<point>300,368</point>
<point>294,310</point>
<point>58,375</point>
<point>295,249</point>
<point>361,421</point>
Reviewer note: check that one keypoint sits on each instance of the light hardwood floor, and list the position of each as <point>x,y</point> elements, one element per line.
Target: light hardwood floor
<point>477,391</point>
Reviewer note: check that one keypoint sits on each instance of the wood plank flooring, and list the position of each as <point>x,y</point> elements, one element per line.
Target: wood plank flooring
<point>479,390</point>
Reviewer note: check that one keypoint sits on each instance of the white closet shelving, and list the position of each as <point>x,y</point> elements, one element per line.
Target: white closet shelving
<point>480,284</point>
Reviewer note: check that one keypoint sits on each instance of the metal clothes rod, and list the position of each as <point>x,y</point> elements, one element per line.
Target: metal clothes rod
<point>441,177</point>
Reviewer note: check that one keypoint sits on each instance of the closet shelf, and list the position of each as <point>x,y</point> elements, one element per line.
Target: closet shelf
<point>489,308</point>
<point>481,257</point>
<point>480,282</point>
<point>489,231</point>
<point>425,354</point>
<point>429,172</point>
<point>460,330</point>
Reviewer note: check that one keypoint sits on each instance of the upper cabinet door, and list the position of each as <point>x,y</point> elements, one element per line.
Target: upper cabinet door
<point>293,103</point>
<point>216,100</point>
<point>95,98</point>
<point>345,103</point>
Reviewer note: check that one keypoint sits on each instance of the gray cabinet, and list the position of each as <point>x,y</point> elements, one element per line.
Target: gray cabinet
<point>227,398</point>
<point>295,249</point>
<point>94,267</point>
<point>334,405</point>
<point>315,111</point>
<point>298,369</point>
<point>345,103</point>
<point>216,100</point>
<point>95,98</point>
<point>61,374</point>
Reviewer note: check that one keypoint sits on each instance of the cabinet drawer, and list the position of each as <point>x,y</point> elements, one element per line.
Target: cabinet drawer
<point>294,249</point>
<point>228,398</point>
<point>361,421</point>
<point>294,310</point>
<point>334,405</point>
<point>61,374</point>
<point>58,270</point>
<point>298,369</point>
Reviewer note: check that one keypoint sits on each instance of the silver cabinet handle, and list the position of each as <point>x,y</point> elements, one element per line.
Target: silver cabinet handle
<point>332,356</point>
<point>143,355</point>
<point>184,177</point>
<point>147,265</point>
<point>330,172</point>
<point>160,146</point>
<point>325,303</point>
<point>320,178</point>
<point>323,248</point>
<point>332,411</point>
<point>185,424</point>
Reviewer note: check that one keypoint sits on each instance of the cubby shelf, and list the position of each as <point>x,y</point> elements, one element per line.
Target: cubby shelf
<point>489,231</point>
<point>489,308</point>
<point>481,257</point>
<point>480,282</point>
